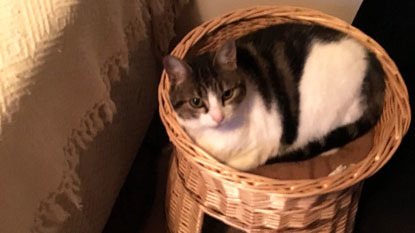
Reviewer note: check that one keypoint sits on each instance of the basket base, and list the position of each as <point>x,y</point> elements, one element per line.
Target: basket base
<point>186,212</point>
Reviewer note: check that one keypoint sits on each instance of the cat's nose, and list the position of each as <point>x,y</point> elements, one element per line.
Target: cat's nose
<point>217,116</point>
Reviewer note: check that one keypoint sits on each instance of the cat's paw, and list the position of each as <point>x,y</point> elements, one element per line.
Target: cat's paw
<point>243,163</point>
<point>330,152</point>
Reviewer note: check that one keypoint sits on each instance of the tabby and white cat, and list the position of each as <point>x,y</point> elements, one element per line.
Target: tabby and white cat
<point>284,93</point>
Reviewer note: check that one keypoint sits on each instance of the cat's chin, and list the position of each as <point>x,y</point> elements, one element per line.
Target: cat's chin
<point>206,128</point>
<point>196,126</point>
<point>212,126</point>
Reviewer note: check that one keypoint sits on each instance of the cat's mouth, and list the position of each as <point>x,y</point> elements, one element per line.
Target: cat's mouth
<point>229,124</point>
<point>216,125</point>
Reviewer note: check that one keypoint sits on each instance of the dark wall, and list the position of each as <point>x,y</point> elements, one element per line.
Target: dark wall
<point>388,199</point>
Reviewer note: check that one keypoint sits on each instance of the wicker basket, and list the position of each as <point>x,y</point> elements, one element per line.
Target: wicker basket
<point>199,185</point>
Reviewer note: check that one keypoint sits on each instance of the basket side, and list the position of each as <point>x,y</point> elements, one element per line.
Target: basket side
<point>252,211</point>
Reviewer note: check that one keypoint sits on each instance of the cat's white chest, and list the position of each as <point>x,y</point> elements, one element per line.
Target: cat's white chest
<point>249,144</point>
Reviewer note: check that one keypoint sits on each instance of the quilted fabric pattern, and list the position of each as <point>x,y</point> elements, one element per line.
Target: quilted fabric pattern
<point>59,62</point>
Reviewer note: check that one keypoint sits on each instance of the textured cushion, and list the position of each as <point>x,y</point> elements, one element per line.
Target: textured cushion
<point>320,166</point>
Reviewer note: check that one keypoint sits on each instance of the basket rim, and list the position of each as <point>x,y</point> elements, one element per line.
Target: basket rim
<point>327,183</point>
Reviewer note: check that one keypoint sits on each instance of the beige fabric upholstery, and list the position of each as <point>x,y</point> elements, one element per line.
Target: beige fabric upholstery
<point>78,86</point>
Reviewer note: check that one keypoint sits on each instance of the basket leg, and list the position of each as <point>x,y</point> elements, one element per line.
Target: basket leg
<point>183,213</point>
<point>352,212</point>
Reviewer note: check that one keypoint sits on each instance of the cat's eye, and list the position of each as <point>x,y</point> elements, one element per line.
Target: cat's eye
<point>227,94</point>
<point>196,103</point>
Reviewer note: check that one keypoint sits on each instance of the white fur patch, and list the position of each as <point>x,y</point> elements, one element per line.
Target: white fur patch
<point>244,140</point>
<point>329,89</point>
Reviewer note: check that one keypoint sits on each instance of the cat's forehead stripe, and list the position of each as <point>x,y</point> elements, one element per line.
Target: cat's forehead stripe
<point>213,100</point>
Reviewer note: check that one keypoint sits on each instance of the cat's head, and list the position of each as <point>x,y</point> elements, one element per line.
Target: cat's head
<point>207,90</point>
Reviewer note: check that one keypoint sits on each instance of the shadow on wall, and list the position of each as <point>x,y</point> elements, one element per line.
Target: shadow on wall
<point>198,11</point>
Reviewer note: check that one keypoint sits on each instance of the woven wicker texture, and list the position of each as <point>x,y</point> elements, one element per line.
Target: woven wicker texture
<point>199,184</point>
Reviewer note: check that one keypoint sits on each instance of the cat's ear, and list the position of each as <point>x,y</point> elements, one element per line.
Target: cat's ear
<point>177,69</point>
<point>225,57</point>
